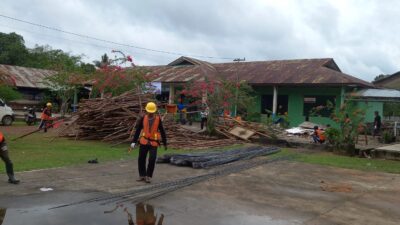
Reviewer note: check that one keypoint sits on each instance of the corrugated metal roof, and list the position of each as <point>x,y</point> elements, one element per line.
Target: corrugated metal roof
<point>24,77</point>
<point>280,72</point>
<point>377,93</point>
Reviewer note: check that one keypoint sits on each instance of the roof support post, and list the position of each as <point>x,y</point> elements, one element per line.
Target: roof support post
<point>275,102</point>
<point>75,103</point>
<point>342,95</point>
<point>171,94</point>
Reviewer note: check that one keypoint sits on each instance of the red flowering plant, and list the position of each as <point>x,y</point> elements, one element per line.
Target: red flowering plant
<point>220,96</point>
<point>114,78</point>
<point>350,119</point>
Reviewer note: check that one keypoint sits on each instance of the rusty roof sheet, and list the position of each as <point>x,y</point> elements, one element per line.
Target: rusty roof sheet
<point>24,77</point>
<point>310,72</point>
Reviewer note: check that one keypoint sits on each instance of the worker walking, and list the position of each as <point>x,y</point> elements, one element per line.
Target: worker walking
<point>46,117</point>
<point>5,157</point>
<point>149,128</point>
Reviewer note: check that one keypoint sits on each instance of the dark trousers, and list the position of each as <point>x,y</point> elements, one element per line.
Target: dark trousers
<point>43,125</point>
<point>143,150</point>
<point>9,165</point>
<point>203,121</point>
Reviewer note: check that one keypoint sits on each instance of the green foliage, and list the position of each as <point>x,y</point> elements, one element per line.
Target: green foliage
<point>114,80</point>
<point>391,109</point>
<point>12,49</point>
<point>8,93</point>
<point>387,137</point>
<point>350,118</point>
<point>221,96</point>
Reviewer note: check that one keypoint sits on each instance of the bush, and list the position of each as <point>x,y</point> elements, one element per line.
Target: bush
<point>387,137</point>
<point>8,93</point>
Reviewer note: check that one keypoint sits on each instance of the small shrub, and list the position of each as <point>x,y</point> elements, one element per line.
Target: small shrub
<point>387,137</point>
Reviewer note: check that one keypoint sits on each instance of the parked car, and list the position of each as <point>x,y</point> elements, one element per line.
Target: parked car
<point>6,114</point>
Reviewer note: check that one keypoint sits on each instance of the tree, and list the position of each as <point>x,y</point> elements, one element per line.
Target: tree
<point>105,61</point>
<point>12,49</point>
<point>8,93</point>
<point>380,76</point>
<point>113,79</point>
<point>220,97</point>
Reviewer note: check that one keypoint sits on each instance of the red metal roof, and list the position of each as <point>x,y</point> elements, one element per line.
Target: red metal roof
<point>310,72</point>
<point>23,76</point>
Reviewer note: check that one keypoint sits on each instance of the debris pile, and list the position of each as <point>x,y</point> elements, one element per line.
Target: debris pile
<point>210,159</point>
<point>107,119</point>
<point>114,120</point>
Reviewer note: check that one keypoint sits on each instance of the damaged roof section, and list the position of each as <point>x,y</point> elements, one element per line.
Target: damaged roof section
<point>307,72</point>
<point>18,76</point>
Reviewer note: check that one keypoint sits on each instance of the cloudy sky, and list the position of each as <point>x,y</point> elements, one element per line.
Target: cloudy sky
<point>360,35</point>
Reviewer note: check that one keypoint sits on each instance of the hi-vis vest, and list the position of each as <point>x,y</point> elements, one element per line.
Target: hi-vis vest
<point>150,135</point>
<point>45,115</point>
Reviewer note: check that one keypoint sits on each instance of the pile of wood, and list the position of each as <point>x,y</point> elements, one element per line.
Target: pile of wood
<point>244,130</point>
<point>114,119</point>
<point>107,119</point>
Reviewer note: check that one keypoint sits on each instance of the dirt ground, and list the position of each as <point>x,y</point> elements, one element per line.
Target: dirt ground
<point>282,192</point>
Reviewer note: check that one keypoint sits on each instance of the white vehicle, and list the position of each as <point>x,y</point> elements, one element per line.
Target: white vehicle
<point>6,114</point>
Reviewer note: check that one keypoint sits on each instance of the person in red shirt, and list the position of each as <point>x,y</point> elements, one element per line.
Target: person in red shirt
<point>4,156</point>
<point>318,135</point>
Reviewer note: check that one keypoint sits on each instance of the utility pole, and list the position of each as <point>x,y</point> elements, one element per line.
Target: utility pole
<point>238,60</point>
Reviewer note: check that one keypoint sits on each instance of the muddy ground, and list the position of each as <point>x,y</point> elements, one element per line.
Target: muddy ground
<point>282,192</point>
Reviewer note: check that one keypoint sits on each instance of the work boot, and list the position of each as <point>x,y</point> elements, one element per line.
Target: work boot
<point>148,180</point>
<point>12,180</point>
<point>10,173</point>
<point>140,179</point>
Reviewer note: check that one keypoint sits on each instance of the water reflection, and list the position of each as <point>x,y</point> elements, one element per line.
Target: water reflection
<point>145,215</point>
<point>2,215</point>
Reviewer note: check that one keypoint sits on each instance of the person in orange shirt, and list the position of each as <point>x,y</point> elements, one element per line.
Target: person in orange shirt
<point>4,156</point>
<point>318,135</point>
<point>46,117</point>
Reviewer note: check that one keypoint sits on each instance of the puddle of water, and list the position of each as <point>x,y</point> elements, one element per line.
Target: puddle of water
<point>83,214</point>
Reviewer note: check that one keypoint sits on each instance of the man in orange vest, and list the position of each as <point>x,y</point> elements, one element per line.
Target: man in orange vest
<point>46,117</point>
<point>4,156</point>
<point>318,135</point>
<point>149,132</point>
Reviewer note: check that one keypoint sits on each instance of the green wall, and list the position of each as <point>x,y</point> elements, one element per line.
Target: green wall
<point>296,96</point>
<point>295,106</point>
<point>371,107</point>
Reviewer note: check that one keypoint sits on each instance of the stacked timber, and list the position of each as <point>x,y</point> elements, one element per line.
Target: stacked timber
<point>114,119</point>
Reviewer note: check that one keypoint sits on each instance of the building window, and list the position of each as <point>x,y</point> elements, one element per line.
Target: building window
<point>319,105</point>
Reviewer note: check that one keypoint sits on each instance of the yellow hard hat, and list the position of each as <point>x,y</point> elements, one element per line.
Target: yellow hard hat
<point>151,107</point>
<point>49,104</point>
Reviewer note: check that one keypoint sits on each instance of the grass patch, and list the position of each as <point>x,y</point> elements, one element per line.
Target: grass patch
<point>330,159</point>
<point>37,152</point>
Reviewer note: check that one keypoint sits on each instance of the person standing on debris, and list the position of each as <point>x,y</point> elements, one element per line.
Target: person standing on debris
<point>149,128</point>
<point>5,157</point>
<point>46,117</point>
<point>318,135</point>
<point>204,115</point>
<point>377,124</point>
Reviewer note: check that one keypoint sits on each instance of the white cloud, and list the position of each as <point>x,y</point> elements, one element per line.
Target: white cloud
<point>359,35</point>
